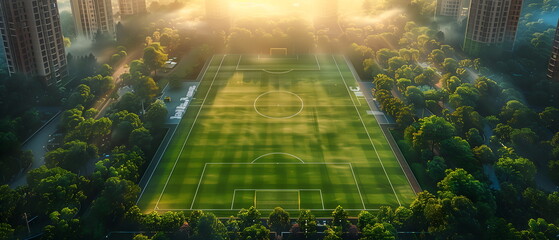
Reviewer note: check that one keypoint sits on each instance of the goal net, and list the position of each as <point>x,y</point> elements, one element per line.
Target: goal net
<point>278,51</point>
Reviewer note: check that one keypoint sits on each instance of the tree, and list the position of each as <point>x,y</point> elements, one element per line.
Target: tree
<point>450,65</point>
<point>100,84</point>
<point>459,151</point>
<point>248,217</point>
<point>451,83</point>
<point>436,168</point>
<point>124,123</point>
<point>465,118</point>
<point>307,223</point>
<point>540,229</point>
<point>54,188</point>
<point>6,231</point>
<point>474,137</point>
<point>72,155</point>
<point>523,138</point>
<point>63,225</point>
<point>339,218</point>
<point>484,154</point>
<point>72,117</point>
<point>365,218</point>
<point>379,231</point>
<point>146,88</point>
<point>499,229</point>
<point>156,114</point>
<point>81,96</point>
<point>428,77</point>
<point>209,227</point>
<point>117,196</point>
<point>517,115</point>
<point>432,131</point>
<point>333,233</point>
<point>382,81</point>
<point>395,63</point>
<point>154,58</point>
<point>106,70</point>
<point>129,102</point>
<point>460,183</point>
<point>465,95</point>
<point>518,171</point>
<point>550,118</point>
<point>90,129</point>
<point>415,97</point>
<point>138,68</point>
<point>279,220</point>
<point>404,72</point>
<point>9,200</point>
<point>255,232</point>
<point>142,138</point>
<point>403,84</point>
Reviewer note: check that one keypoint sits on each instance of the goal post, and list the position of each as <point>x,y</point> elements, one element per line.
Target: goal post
<point>278,52</point>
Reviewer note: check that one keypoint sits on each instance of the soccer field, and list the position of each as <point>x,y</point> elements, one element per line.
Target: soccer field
<point>292,132</point>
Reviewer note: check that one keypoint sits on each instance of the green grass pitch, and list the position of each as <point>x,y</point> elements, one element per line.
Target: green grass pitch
<point>269,132</point>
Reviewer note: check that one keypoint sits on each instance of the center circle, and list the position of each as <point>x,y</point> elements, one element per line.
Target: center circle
<point>278,104</point>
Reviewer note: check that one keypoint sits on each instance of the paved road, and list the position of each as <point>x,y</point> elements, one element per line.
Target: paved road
<point>39,140</point>
<point>37,145</point>
<point>106,101</point>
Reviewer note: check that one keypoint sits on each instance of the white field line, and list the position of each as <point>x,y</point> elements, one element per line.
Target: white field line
<point>198,187</point>
<point>275,190</point>
<point>238,105</point>
<point>239,62</point>
<point>345,83</point>
<point>391,148</point>
<point>226,209</point>
<point>357,185</point>
<point>190,131</point>
<point>256,163</point>
<point>279,71</point>
<point>278,153</point>
<point>321,198</point>
<point>233,200</point>
<point>299,198</point>
<point>370,139</point>
<point>165,149</point>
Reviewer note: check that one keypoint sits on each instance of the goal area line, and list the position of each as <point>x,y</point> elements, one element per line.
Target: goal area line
<point>350,168</point>
<point>256,199</point>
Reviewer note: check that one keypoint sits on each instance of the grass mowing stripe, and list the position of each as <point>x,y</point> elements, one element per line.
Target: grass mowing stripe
<point>226,129</point>
<point>192,127</point>
<point>369,135</point>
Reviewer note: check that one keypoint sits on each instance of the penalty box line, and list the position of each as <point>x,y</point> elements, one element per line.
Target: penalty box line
<point>307,163</point>
<point>190,131</point>
<point>281,71</point>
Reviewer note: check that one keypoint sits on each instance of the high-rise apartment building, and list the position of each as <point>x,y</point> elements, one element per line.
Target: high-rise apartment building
<point>452,9</point>
<point>492,26</point>
<point>132,7</point>
<point>32,38</point>
<point>93,17</point>
<point>553,67</point>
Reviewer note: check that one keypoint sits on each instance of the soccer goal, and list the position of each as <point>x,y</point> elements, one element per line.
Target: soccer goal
<point>278,52</point>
